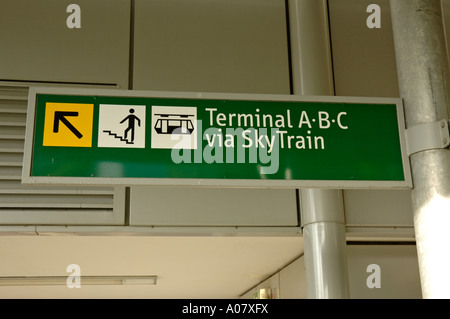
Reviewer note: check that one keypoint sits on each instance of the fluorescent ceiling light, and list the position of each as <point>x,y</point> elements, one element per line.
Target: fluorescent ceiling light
<point>84,280</point>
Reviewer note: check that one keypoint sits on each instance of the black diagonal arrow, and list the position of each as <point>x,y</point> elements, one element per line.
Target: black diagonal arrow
<point>61,116</point>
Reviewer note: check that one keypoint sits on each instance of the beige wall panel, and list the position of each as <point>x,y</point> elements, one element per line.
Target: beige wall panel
<point>378,208</point>
<point>37,45</point>
<point>363,58</point>
<point>211,46</point>
<point>212,207</point>
<point>398,275</point>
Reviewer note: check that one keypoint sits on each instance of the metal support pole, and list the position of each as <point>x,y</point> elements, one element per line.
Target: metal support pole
<point>325,244</point>
<point>423,74</point>
<point>322,210</point>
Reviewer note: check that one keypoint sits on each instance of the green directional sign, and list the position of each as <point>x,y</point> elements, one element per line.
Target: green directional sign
<point>153,138</point>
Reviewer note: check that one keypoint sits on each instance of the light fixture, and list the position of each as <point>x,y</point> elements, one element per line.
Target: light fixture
<point>83,280</point>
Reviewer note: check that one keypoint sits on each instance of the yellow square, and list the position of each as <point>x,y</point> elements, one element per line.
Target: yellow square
<point>68,124</point>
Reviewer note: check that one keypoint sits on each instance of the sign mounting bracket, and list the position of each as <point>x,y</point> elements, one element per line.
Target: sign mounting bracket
<point>427,136</point>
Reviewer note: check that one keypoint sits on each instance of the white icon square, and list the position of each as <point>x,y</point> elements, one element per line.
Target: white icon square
<point>121,126</point>
<point>174,127</point>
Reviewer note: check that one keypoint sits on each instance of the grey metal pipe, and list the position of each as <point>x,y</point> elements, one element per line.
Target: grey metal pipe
<point>322,210</point>
<point>423,74</point>
<point>324,244</point>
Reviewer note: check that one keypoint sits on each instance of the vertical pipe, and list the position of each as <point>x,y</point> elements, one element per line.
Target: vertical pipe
<point>322,210</point>
<point>423,73</point>
<point>325,244</point>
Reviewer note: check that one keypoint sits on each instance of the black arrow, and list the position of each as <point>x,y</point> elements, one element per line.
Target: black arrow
<point>61,116</point>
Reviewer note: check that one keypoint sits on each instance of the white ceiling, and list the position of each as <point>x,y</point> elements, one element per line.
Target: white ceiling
<point>187,267</point>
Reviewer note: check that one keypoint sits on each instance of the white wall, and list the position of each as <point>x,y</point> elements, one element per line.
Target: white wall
<point>397,278</point>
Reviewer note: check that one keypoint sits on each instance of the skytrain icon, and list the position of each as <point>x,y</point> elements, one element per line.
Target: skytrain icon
<point>174,124</point>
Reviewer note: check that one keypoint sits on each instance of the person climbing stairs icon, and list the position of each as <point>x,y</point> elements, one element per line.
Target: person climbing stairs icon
<point>131,125</point>
<point>122,126</point>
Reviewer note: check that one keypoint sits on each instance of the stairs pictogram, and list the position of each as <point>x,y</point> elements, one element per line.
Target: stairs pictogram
<point>118,136</point>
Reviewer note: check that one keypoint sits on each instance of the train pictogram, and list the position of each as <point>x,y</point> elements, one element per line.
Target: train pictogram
<point>174,124</point>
